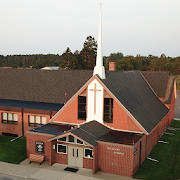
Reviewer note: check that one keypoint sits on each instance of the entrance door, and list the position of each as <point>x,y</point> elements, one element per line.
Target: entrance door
<point>75,156</point>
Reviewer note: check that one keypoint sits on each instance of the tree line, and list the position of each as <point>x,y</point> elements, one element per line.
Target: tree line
<point>85,59</point>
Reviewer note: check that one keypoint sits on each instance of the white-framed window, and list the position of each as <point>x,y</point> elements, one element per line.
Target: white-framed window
<point>63,139</point>
<point>71,139</point>
<point>88,153</point>
<point>36,121</point>
<point>61,148</point>
<point>9,118</point>
<point>79,141</point>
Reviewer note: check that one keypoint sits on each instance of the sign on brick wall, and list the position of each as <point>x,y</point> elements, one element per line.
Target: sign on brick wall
<point>116,150</point>
<point>39,147</point>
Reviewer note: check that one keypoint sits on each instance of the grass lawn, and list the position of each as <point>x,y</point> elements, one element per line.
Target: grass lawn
<point>12,152</point>
<point>168,155</point>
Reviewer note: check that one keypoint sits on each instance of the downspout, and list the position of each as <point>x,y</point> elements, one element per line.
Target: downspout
<point>22,112</point>
<point>50,114</point>
<point>22,122</point>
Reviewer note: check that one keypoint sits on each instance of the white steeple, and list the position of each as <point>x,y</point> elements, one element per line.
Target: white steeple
<point>99,68</point>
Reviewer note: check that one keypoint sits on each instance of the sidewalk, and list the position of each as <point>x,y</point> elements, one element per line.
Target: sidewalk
<point>55,172</point>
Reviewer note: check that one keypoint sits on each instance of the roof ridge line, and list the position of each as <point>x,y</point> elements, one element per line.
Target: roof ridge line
<point>148,84</point>
<point>88,132</point>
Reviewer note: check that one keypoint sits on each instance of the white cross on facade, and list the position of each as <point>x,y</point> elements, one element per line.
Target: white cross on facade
<point>95,90</point>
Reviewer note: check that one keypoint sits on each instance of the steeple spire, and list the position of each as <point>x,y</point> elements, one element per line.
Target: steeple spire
<point>99,68</point>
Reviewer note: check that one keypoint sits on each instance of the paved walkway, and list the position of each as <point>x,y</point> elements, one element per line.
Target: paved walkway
<point>54,172</point>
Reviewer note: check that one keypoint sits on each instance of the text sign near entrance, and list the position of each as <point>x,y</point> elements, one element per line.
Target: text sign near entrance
<point>39,147</point>
<point>115,150</point>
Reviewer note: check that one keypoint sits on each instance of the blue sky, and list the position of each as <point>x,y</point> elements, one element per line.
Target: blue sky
<point>129,26</point>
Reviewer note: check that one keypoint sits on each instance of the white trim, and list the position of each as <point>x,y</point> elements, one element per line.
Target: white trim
<point>71,142</point>
<point>61,145</point>
<point>67,140</point>
<point>84,153</point>
<point>71,100</point>
<point>79,140</point>
<point>175,90</point>
<point>62,141</point>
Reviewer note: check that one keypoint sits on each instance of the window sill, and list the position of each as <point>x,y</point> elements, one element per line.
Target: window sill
<point>9,123</point>
<point>88,157</point>
<point>108,122</point>
<point>61,153</point>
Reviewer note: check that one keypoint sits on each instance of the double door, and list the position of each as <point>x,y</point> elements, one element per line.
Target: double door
<point>75,156</point>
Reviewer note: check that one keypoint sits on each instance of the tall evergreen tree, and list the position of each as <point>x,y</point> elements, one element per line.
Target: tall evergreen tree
<point>88,53</point>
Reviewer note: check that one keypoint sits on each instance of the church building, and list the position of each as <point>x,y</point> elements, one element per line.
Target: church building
<point>107,121</point>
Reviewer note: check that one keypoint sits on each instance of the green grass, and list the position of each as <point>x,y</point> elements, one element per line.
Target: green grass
<point>169,158</point>
<point>175,124</point>
<point>12,152</point>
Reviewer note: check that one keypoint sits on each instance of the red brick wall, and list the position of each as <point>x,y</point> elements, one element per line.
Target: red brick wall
<point>112,66</point>
<point>111,162</point>
<point>161,128</point>
<point>52,153</point>
<point>17,129</point>
<point>148,142</point>
<point>34,112</point>
<point>95,159</point>
<point>87,163</point>
<point>121,120</point>
<point>11,128</point>
<point>166,121</point>
<point>143,149</point>
<point>70,114</point>
<point>30,144</point>
<point>53,112</point>
<point>161,98</point>
<point>151,140</point>
<point>61,158</point>
<point>136,158</point>
<point>155,135</point>
<point>171,107</point>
